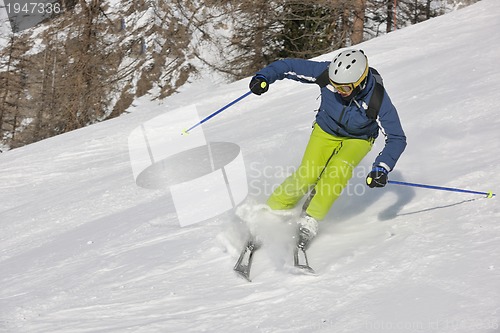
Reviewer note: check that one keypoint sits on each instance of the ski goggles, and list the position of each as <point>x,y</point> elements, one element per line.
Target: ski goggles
<point>347,88</point>
<point>343,88</point>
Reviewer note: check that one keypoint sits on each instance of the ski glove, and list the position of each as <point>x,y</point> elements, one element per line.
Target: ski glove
<point>259,84</point>
<point>377,177</point>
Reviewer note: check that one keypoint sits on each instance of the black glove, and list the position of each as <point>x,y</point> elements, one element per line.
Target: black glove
<point>258,85</point>
<point>377,177</point>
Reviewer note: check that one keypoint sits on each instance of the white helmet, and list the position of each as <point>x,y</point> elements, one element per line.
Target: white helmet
<point>349,66</point>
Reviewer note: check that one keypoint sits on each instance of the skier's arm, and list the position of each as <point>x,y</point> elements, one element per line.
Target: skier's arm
<point>295,69</point>
<point>395,141</point>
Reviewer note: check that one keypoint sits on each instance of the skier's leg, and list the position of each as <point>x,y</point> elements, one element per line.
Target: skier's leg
<point>336,176</point>
<point>319,149</point>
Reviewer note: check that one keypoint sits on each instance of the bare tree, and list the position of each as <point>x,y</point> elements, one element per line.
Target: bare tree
<point>358,25</point>
<point>310,28</point>
<point>13,80</point>
<point>252,44</point>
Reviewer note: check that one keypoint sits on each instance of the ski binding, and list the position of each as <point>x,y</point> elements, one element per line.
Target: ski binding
<point>300,261</point>
<point>244,263</point>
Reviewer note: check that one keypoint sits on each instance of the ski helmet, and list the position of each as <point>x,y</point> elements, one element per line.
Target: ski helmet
<point>348,67</point>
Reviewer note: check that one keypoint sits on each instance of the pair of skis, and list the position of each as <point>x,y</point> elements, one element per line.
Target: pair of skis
<point>244,262</point>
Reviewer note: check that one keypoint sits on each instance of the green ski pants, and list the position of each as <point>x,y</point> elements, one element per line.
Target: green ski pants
<point>326,167</point>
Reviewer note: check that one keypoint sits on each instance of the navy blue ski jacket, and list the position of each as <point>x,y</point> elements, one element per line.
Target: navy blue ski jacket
<point>346,119</point>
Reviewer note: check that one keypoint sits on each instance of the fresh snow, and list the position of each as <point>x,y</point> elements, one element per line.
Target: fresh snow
<point>83,248</point>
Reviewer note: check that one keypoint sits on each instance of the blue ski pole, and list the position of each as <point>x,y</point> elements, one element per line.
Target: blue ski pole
<point>217,112</point>
<point>441,188</point>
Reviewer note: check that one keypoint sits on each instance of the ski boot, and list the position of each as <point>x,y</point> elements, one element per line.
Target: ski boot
<point>307,229</point>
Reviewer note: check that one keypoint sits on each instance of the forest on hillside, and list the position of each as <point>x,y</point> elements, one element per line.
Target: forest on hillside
<point>88,61</point>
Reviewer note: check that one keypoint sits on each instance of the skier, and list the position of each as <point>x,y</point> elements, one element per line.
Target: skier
<point>344,131</point>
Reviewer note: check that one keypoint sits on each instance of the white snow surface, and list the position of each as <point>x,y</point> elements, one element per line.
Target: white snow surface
<point>84,249</point>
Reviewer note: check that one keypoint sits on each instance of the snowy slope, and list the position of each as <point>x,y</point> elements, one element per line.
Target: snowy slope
<point>84,249</point>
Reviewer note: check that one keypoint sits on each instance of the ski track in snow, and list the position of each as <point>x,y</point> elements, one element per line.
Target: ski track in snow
<point>84,249</point>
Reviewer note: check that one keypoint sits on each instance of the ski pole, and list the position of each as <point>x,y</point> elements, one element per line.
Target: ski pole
<point>217,112</point>
<point>489,194</point>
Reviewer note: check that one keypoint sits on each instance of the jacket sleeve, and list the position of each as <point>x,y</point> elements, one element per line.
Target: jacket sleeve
<point>395,139</point>
<point>301,70</point>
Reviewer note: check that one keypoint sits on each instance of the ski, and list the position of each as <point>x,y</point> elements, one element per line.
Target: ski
<point>300,261</point>
<point>244,263</point>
